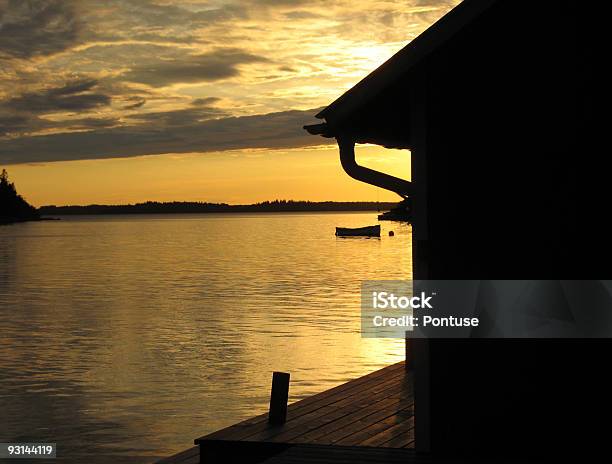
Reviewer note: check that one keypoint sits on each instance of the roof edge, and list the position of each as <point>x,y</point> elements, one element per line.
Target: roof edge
<point>415,51</point>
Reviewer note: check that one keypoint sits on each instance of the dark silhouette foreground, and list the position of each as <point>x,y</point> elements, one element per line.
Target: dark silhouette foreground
<point>13,208</point>
<point>509,181</point>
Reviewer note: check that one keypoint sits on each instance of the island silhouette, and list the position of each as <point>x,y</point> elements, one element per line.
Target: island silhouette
<point>13,207</point>
<point>181,207</point>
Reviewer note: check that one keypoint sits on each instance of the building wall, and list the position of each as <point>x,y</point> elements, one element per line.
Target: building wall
<point>515,189</point>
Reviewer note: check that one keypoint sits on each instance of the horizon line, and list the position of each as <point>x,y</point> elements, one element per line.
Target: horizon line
<point>214,203</point>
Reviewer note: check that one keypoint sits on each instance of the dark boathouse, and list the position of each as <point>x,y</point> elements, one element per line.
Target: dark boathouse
<point>495,103</point>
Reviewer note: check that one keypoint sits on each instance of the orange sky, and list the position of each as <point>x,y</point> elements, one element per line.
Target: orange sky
<point>135,100</point>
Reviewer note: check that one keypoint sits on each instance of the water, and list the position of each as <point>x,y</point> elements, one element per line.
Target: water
<point>123,338</point>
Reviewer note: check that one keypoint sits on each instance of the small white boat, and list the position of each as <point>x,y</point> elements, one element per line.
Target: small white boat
<point>368,231</point>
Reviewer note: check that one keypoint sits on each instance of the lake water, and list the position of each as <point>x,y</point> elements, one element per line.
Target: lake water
<point>123,338</point>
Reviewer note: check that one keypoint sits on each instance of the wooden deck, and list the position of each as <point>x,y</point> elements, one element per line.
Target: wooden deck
<point>310,454</point>
<point>358,418</point>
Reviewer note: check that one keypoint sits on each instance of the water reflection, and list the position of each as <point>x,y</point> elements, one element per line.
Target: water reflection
<point>126,337</point>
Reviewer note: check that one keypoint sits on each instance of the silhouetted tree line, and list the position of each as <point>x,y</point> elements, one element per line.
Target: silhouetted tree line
<point>176,207</point>
<point>13,208</point>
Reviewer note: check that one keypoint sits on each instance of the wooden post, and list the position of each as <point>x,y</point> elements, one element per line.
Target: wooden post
<point>278,398</point>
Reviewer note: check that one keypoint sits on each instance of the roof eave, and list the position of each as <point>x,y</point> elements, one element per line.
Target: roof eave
<point>404,60</point>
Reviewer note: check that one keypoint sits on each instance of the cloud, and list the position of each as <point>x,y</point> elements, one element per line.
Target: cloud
<point>184,24</point>
<point>287,69</point>
<point>74,96</point>
<point>24,124</point>
<point>77,101</point>
<point>157,14</point>
<point>216,65</point>
<point>259,56</point>
<point>300,14</point>
<point>154,136</point>
<point>280,3</point>
<point>205,101</point>
<point>12,123</point>
<point>137,103</point>
<point>85,123</point>
<point>31,28</point>
<point>177,118</point>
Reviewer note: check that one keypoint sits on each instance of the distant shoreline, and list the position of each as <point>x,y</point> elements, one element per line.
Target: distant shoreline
<point>5,221</point>
<point>279,206</point>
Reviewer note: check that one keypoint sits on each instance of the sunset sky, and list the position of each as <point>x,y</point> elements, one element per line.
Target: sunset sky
<point>133,100</point>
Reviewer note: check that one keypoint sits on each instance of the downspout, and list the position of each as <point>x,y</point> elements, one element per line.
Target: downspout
<point>347,158</point>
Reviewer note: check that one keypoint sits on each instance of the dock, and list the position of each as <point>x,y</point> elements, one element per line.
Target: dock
<point>368,419</point>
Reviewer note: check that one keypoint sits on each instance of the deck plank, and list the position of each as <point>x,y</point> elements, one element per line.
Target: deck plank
<point>373,412</point>
<point>332,412</point>
<point>402,429</point>
<point>362,403</point>
<point>357,419</point>
<point>361,437</point>
<point>342,433</point>
<point>259,423</point>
